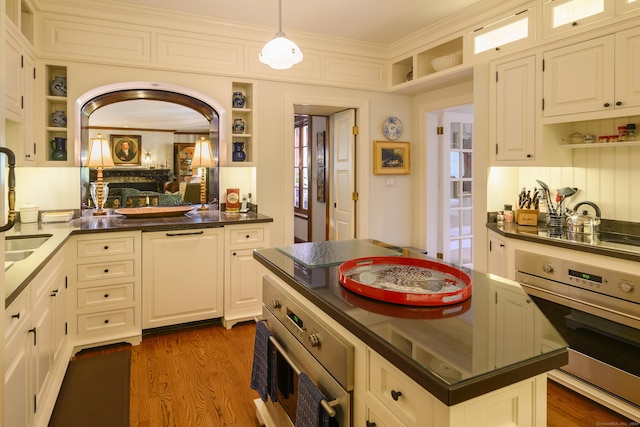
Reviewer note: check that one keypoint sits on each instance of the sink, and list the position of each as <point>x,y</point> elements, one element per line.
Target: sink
<point>25,243</point>
<point>16,255</point>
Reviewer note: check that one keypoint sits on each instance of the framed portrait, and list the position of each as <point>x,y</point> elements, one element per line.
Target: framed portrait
<point>391,158</point>
<point>320,190</point>
<point>126,149</point>
<point>320,148</point>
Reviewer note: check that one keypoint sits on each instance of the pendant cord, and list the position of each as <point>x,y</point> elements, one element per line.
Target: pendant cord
<point>279,16</point>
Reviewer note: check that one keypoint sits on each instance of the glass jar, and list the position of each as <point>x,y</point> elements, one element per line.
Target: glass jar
<point>508,213</point>
<point>500,219</point>
<point>631,132</point>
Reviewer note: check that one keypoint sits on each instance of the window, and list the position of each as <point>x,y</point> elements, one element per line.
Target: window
<point>563,15</point>
<point>301,173</point>
<point>516,28</point>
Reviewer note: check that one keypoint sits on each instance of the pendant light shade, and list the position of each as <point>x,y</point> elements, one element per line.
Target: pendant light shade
<point>280,53</point>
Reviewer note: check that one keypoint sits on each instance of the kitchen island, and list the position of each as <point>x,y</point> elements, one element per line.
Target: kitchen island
<point>457,353</point>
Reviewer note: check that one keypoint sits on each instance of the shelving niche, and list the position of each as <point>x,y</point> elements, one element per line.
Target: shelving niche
<point>418,66</point>
<point>247,137</point>
<point>561,131</point>
<point>19,12</point>
<point>55,103</point>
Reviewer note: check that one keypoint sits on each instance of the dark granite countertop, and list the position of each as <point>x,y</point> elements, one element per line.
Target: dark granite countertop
<point>575,241</point>
<point>20,273</point>
<point>455,352</point>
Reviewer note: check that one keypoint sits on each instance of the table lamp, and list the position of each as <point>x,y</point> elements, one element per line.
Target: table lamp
<point>99,157</point>
<point>202,159</point>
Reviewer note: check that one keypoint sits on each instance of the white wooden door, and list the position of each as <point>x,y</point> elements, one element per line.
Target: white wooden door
<point>457,189</point>
<point>627,66</point>
<point>343,176</point>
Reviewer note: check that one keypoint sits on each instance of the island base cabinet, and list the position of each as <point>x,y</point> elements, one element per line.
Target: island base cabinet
<point>182,273</point>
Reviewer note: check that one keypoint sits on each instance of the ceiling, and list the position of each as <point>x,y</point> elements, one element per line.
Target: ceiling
<point>370,21</point>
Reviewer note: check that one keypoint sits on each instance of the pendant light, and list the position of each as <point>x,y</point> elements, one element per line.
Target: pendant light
<point>280,53</point>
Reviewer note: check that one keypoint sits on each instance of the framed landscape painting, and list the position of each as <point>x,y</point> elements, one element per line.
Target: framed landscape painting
<point>391,158</point>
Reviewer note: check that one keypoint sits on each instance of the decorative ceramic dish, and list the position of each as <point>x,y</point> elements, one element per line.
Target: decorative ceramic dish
<point>392,128</point>
<point>447,61</point>
<point>408,281</point>
<point>154,212</point>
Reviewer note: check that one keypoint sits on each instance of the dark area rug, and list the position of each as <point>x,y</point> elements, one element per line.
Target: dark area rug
<point>95,392</point>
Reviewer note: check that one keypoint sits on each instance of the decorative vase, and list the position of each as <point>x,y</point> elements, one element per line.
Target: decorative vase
<point>59,119</point>
<point>239,100</point>
<point>59,148</point>
<point>58,86</point>
<point>93,190</point>
<point>238,154</point>
<point>238,126</point>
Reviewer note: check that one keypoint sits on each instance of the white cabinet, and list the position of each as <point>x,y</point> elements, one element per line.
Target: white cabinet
<point>243,274</point>
<point>18,341</point>
<point>514,118</point>
<point>34,341</point>
<point>497,255</point>
<point>19,97</point>
<point>514,320</point>
<point>106,290</point>
<point>182,276</point>
<point>593,76</point>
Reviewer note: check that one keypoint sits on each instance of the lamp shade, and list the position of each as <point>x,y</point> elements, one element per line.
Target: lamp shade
<point>99,153</point>
<point>280,53</point>
<point>202,154</point>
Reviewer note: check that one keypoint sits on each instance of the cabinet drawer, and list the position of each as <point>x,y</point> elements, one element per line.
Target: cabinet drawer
<point>97,322</point>
<point>247,235</point>
<point>397,392</point>
<point>103,247</point>
<point>15,316</point>
<point>105,295</point>
<point>105,270</point>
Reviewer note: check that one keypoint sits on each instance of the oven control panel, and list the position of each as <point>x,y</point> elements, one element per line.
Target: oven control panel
<point>590,277</point>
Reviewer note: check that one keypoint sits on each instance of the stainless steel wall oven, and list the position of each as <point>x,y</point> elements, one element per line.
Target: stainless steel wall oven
<point>597,311</point>
<point>306,344</point>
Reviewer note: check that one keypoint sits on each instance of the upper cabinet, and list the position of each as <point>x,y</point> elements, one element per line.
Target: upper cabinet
<point>20,15</point>
<point>564,15</point>
<point>56,112</point>
<point>593,76</point>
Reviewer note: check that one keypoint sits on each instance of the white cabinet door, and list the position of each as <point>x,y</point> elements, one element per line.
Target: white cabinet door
<point>515,102</point>
<point>14,76</point>
<point>182,274</point>
<point>497,255</point>
<point>627,66</point>
<point>580,78</point>
<point>17,347</point>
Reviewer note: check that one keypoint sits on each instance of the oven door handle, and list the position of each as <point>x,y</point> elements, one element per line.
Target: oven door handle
<point>327,406</point>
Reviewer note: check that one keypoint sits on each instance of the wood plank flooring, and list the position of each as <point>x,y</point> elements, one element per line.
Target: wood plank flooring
<point>200,377</point>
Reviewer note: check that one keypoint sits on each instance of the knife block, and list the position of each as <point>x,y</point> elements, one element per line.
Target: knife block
<point>527,216</point>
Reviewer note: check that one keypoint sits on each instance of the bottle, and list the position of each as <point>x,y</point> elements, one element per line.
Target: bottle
<point>500,219</point>
<point>508,213</point>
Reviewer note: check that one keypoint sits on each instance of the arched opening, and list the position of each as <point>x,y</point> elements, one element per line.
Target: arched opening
<point>175,98</point>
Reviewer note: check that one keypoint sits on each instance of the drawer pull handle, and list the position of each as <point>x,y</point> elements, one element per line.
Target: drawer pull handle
<point>106,295</point>
<point>106,270</point>
<point>185,233</point>
<point>247,236</point>
<point>371,424</point>
<point>106,321</point>
<point>15,316</point>
<point>395,395</point>
<point>106,247</point>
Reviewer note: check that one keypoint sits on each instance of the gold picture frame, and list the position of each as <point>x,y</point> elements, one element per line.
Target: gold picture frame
<point>132,155</point>
<point>391,158</point>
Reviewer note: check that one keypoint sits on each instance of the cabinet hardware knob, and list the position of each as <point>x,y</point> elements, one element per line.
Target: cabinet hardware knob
<point>15,316</point>
<point>106,295</point>
<point>574,24</point>
<point>234,254</point>
<point>106,247</point>
<point>106,270</point>
<point>276,303</point>
<point>607,105</point>
<point>247,236</point>
<point>498,48</point>
<point>529,156</point>
<point>106,321</point>
<point>370,424</point>
<point>619,103</point>
<point>395,395</point>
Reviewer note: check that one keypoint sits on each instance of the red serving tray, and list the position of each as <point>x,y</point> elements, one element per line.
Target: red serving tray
<point>425,299</point>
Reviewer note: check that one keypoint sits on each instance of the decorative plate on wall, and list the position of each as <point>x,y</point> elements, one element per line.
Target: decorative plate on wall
<point>392,128</point>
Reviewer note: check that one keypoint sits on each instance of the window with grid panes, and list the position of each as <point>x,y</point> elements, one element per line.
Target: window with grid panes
<point>302,172</point>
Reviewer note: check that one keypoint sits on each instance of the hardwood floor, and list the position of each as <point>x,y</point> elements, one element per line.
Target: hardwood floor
<point>200,377</point>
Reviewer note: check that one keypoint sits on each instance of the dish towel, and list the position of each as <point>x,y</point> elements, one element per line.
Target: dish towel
<point>309,413</point>
<point>263,372</point>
